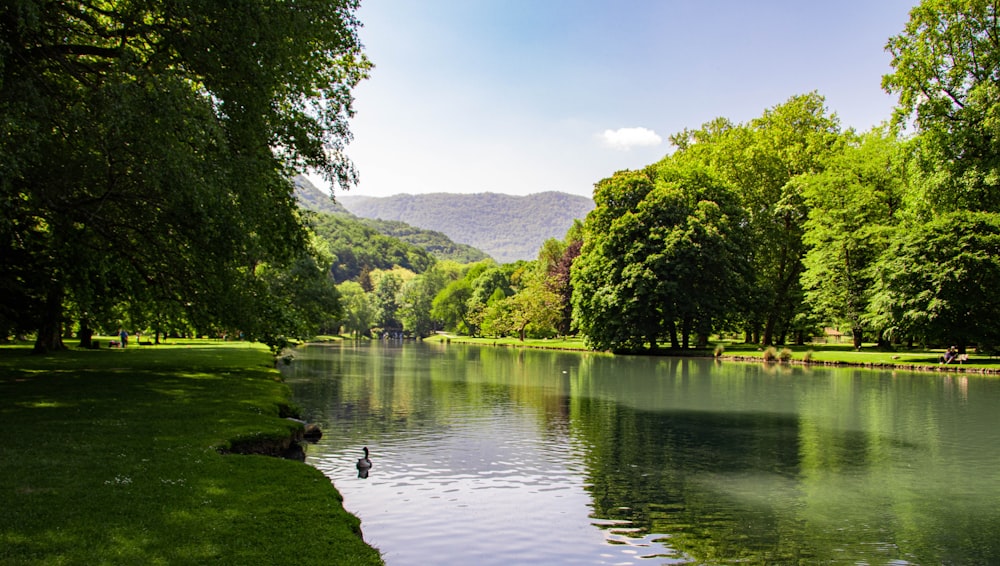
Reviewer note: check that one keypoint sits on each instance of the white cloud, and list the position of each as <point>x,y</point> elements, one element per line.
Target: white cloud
<point>627,138</point>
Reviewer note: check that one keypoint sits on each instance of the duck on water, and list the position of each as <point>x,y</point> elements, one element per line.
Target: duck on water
<point>364,464</point>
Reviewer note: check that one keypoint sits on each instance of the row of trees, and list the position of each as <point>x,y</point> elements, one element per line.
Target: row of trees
<point>146,152</point>
<point>779,225</point>
<point>514,299</point>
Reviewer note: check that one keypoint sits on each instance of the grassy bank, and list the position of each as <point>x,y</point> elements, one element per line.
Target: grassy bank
<point>112,457</point>
<point>571,343</point>
<point>842,353</point>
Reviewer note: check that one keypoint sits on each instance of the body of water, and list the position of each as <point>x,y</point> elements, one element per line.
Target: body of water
<point>497,456</point>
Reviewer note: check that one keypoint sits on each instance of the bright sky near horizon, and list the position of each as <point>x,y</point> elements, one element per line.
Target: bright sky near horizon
<point>525,96</point>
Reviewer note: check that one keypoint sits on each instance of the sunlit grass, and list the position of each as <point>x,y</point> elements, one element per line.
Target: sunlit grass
<point>111,456</point>
<point>568,343</point>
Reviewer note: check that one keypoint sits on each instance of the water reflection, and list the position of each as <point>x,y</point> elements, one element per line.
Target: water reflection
<point>498,456</point>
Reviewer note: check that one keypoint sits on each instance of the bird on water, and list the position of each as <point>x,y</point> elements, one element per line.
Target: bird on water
<point>364,464</point>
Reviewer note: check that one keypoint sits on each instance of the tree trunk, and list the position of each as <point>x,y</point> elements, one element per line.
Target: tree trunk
<point>701,340</point>
<point>768,338</point>
<point>882,342</point>
<point>49,337</point>
<point>858,334</point>
<point>672,329</point>
<point>86,334</point>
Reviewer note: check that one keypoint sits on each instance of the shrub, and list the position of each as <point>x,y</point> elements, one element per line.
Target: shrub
<point>808,356</point>
<point>770,354</point>
<point>719,350</point>
<point>786,354</point>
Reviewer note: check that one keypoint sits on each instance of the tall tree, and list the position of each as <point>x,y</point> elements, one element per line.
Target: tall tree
<point>358,315</point>
<point>385,301</point>
<point>612,292</point>
<point>147,149</point>
<point>417,300</point>
<point>946,72</point>
<point>854,206</point>
<point>760,159</point>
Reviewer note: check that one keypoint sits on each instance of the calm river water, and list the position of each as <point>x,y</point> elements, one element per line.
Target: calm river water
<point>505,456</point>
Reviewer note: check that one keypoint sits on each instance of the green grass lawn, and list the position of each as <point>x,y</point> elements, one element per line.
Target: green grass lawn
<point>570,343</point>
<point>111,457</point>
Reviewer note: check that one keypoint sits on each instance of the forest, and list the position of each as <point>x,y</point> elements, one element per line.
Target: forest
<point>183,218</point>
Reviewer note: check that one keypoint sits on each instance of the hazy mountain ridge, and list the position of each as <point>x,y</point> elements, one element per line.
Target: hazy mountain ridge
<point>355,232</point>
<point>311,198</point>
<point>507,227</point>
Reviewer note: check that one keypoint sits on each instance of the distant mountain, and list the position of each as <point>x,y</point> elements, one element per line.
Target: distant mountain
<point>311,198</point>
<point>436,243</point>
<point>507,227</point>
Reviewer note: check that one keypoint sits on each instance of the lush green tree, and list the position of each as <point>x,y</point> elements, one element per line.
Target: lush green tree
<point>535,309</point>
<point>939,281</point>
<point>304,299</point>
<point>611,291</point>
<point>490,286</point>
<point>417,300</point>
<point>672,266</point>
<point>854,205</point>
<point>147,150</point>
<point>760,159</point>
<point>946,71</point>
<point>451,305</point>
<point>358,312</point>
<point>385,301</point>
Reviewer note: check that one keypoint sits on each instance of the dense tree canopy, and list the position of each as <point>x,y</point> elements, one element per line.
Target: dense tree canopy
<point>940,281</point>
<point>946,71</point>
<point>854,205</point>
<point>358,248</point>
<point>146,151</point>
<point>663,257</point>
<point>892,237</point>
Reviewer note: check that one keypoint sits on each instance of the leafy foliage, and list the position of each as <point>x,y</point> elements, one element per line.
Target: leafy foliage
<point>946,71</point>
<point>941,280</point>
<point>358,249</point>
<point>854,205</point>
<point>662,253</point>
<point>147,148</point>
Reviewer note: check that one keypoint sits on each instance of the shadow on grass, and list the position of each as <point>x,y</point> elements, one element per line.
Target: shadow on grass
<point>112,455</point>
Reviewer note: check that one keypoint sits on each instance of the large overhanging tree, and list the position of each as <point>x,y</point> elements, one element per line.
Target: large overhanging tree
<point>146,151</point>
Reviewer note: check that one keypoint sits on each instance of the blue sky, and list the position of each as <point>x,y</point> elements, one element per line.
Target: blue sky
<point>524,96</point>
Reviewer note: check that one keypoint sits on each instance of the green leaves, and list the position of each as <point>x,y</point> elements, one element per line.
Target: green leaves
<point>946,67</point>
<point>148,148</point>
<point>941,280</point>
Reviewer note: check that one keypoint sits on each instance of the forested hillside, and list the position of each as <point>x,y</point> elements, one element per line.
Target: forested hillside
<point>442,247</point>
<point>311,198</point>
<point>358,248</point>
<point>507,227</point>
